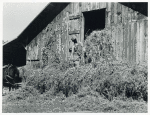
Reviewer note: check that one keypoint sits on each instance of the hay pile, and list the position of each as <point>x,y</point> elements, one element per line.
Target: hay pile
<point>96,87</point>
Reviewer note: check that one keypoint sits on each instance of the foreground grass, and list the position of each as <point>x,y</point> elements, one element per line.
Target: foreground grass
<point>90,88</point>
<point>87,101</point>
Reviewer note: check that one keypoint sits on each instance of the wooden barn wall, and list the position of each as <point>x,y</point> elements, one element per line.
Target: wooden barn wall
<point>128,28</point>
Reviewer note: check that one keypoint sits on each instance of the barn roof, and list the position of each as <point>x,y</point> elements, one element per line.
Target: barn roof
<point>141,7</point>
<point>38,24</point>
<point>14,51</point>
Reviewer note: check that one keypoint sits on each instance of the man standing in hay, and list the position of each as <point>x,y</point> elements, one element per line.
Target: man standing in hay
<point>77,51</point>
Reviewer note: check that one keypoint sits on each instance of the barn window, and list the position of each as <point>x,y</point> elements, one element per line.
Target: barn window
<point>93,20</point>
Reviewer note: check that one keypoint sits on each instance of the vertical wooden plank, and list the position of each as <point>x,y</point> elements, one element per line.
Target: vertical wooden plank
<point>89,6</point>
<point>117,42</point>
<point>133,37</point>
<point>71,8</point>
<point>108,18</point>
<point>67,43</point>
<point>109,27</point>
<point>80,21</point>
<point>86,6</point>
<point>119,13</point>
<point>104,4</point>
<point>74,8</point>
<point>146,40</point>
<point>82,34</point>
<point>113,28</point>
<point>126,32</point>
<point>129,14</point>
<point>115,14</point>
<point>93,5</point>
<point>123,26</point>
<point>129,35</point>
<point>138,43</point>
<point>78,27</point>
<point>97,5</point>
<point>119,30</point>
<point>115,24</point>
<point>82,28</point>
<point>132,42</point>
<point>135,16</point>
<point>112,12</point>
<point>109,6</point>
<point>80,8</point>
<point>68,9</point>
<point>132,15</point>
<point>77,7</point>
<point>65,35</point>
<point>83,6</point>
<point>80,24</point>
<point>141,41</point>
<point>121,42</point>
<point>100,5</point>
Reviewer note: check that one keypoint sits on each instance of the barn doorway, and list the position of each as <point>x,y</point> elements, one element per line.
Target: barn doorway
<point>93,20</point>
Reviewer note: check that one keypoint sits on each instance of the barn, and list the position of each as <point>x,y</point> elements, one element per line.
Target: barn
<point>52,31</point>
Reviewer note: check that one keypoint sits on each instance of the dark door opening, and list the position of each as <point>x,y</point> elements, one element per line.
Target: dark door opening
<point>93,20</point>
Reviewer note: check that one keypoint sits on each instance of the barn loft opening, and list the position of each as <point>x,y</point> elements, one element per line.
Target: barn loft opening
<point>93,20</point>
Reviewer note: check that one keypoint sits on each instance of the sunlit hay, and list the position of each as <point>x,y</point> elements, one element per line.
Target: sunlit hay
<point>98,46</point>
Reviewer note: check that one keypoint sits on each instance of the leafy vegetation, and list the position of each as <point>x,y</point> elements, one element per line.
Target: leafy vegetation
<point>100,86</point>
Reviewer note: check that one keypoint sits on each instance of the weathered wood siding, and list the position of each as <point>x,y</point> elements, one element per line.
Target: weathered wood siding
<point>128,28</point>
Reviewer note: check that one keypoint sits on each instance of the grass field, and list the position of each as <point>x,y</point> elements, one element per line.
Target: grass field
<point>45,103</point>
<point>82,89</point>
